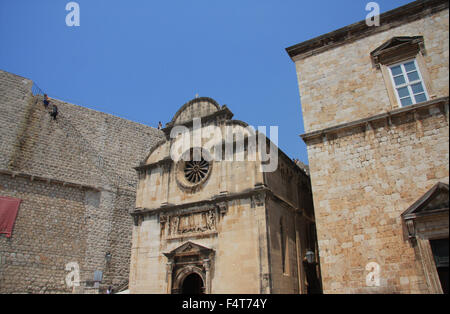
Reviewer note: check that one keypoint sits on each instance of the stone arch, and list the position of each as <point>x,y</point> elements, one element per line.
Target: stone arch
<point>183,273</point>
<point>187,259</point>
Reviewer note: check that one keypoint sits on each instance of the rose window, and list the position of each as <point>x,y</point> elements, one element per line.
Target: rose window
<point>196,171</point>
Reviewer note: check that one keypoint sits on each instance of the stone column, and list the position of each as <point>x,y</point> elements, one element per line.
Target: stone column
<point>207,266</point>
<point>169,268</point>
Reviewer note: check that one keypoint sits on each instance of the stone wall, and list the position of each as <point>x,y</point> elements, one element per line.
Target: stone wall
<point>290,212</point>
<point>341,84</point>
<point>76,179</point>
<point>362,182</point>
<point>49,232</point>
<point>369,160</point>
<point>15,94</point>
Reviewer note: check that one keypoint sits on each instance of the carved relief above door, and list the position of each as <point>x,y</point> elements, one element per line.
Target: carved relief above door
<point>190,222</point>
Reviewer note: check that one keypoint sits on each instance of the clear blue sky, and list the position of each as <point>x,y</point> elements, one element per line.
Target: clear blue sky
<point>142,60</point>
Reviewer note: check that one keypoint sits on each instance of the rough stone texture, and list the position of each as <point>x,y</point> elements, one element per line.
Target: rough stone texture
<point>365,176</point>
<point>362,182</point>
<point>244,234</point>
<point>341,85</point>
<point>49,232</point>
<point>76,179</point>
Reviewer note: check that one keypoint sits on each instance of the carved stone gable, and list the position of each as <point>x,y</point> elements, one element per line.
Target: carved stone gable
<point>190,248</point>
<point>432,206</point>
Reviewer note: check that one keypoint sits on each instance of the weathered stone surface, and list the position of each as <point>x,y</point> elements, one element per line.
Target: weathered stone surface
<point>76,179</point>
<point>365,175</point>
<point>341,84</point>
<point>234,214</point>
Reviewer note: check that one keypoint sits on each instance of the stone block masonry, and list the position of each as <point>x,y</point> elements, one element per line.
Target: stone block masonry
<point>364,180</point>
<point>76,179</point>
<point>370,157</point>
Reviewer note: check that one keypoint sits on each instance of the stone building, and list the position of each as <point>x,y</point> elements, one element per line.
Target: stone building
<point>216,223</point>
<point>375,107</point>
<point>76,182</point>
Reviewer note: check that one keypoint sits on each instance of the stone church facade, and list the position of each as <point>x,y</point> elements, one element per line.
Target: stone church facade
<point>375,106</point>
<point>220,225</point>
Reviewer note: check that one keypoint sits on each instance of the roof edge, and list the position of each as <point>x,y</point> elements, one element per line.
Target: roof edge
<point>398,16</point>
<point>193,101</point>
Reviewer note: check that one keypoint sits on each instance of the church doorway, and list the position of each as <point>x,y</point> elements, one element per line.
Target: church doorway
<point>440,254</point>
<point>192,284</point>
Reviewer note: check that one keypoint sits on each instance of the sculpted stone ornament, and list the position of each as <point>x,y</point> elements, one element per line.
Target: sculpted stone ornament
<point>210,220</point>
<point>163,223</point>
<point>257,200</point>
<point>222,209</point>
<point>136,220</point>
<point>189,223</point>
<point>174,221</point>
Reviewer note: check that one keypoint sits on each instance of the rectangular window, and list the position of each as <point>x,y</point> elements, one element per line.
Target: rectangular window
<point>408,83</point>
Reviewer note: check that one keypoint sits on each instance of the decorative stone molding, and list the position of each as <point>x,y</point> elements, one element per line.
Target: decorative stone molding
<point>219,202</point>
<point>258,200</point>
<point>222,209</point>
<point>441,104</point>
<point>397,49</point>
<point>165,164</point>
<point>410,228</point>
<point>425,220</point>
<point>189,223</point>
<point>187,259</point>
<point>203,168</point>
<point>399,16</point>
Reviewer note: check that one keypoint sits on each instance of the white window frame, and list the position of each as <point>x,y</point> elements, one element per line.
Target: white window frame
<point>408,83</point>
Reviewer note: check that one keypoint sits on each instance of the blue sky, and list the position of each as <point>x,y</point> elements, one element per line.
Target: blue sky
<point>142,60</point>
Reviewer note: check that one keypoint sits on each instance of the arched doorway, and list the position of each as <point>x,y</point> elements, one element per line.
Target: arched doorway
<point>192,284</point>
<point>189,269</point>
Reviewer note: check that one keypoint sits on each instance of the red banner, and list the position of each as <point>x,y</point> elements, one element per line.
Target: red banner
<point>8,212</point>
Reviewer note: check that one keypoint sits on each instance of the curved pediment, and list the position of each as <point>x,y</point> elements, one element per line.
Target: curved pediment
<point>196,108</point>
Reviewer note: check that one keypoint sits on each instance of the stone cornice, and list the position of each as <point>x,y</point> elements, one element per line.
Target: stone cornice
<point>165,161</point>
<point>402,15</point>
<point>217,199</point>
<point>208,202</point>
<point>390,114</point>
<point>281,154</point>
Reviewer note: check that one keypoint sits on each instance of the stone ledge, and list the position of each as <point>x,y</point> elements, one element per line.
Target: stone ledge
<point>195,235</point>
<point>397,112</point>
<point>14,174</point>
<point>217,199</point>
